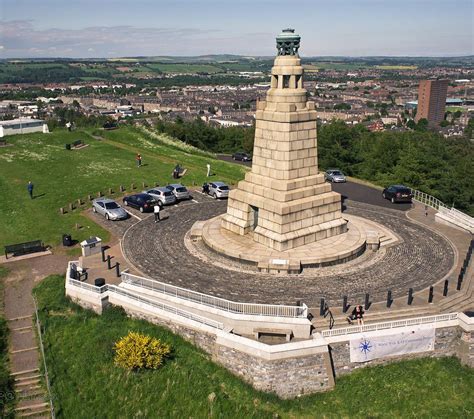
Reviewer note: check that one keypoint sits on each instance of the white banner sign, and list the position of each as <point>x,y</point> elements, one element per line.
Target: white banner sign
<point>415,340</point>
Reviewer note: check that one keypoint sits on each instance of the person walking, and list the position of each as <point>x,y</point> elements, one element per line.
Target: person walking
<point>30,189</point>
<point>208,170</point>
<point>156,211</point>
<point>139,160</point>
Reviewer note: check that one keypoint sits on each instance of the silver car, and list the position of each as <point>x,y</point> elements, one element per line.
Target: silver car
<point>109,209</point>
<point>179,191</point>
<point>162,194</point>
<point>218,190</point>
<point>335,175</point>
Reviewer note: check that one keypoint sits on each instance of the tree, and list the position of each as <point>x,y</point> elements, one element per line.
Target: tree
<point>422,125</point>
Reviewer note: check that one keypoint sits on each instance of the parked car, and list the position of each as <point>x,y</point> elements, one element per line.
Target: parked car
<point>162,195</point>
<point>241,156</point>
<point>218,190</point>
<point>397,193</point>
<point>141,201</point>
<point>109,209</point>
<point>335,175</point>
<point>179,191</point>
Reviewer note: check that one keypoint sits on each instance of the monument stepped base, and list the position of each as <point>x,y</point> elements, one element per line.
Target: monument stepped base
<point>361,236</point>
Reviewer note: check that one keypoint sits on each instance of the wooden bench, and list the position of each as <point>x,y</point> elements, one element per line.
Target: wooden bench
<point>280,332</point>
<point>24,248</point>
<point>181,173</point>
<point>78,144</point>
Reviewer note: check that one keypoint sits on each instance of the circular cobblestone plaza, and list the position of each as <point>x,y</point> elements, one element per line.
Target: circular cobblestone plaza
<point>164,252</point>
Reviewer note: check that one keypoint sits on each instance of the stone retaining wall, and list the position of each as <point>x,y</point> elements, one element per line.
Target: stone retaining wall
<point>290,369</point>
<point>447,343</point>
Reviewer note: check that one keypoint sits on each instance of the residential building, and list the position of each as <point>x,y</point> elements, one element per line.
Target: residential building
<point>432,100</point>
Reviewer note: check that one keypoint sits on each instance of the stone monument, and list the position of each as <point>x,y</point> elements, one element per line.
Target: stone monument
<point>284,202</point>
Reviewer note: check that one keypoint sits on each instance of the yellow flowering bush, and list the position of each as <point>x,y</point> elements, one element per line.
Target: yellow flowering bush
<point>136,351</point>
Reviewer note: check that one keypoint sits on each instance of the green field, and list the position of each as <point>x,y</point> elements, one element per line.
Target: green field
<point>184,68</point>
<point>61,177</point>
<point>86,384</point>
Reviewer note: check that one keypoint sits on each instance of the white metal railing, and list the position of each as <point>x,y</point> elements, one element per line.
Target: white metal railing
<point>165,307</point>
<point>216,302</point>
<point>109,288</point>
<point>389,325</point>
<point>426,199</point>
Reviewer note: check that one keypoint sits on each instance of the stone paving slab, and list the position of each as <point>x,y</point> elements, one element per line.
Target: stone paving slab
<point>421,258</point>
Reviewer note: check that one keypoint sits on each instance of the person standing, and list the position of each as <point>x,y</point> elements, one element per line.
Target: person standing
<point>208,170</point>
<point>139,160</point>
<point>156,211</point>
<point>30,189</point>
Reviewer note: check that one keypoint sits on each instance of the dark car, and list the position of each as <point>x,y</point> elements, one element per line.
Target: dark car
<point>140,201</point>
<point>241,156</point>
<point>397,193</point>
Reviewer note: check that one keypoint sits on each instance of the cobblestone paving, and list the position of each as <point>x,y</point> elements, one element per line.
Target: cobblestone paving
<point>421,258</point>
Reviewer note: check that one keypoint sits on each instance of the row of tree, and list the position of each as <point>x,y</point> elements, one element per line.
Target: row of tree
<point>420,159</point>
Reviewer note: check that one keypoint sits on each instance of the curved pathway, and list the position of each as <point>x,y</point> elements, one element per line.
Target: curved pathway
<point>420,259</point>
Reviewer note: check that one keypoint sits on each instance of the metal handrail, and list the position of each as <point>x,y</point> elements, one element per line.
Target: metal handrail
<point>426,199</point>
<point>273,310</point>
<point>170,309</point>
<point>389,325</point>
<point>109,288</point>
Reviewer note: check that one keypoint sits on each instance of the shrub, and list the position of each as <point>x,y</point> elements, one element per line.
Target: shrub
<point>136,351</point>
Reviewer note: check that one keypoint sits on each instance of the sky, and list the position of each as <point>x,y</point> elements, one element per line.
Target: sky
<point>118,28</point>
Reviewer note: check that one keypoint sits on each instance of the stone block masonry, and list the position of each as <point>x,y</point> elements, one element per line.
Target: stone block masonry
<point>284,203</point>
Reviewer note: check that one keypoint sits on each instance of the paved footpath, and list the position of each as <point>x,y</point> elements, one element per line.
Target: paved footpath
<point>24,353</point>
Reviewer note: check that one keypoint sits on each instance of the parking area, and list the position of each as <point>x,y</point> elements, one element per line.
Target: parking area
<point>119,227</point>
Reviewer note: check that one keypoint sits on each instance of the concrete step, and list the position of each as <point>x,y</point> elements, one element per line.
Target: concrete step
<point>26,377</point>
<point>21,373</point>
<point>27,383</point>
<point>45,413</point>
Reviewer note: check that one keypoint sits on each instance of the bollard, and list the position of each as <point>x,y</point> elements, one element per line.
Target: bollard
<point>99,194</point>
<point>322,308</point>
<point>62,210</point>
<point>109,266</point>
<point>102,250</point>
<point>111,191</point>
<point>367,302</point>
<point>445,288</point>
<point>344,304</point>
<point>79,202</point>
<point>143,185</point>
<point>122,189</point>
<point>389,298</point>
<point>410,296</point>
<point>117,269</point>
<point>430,295</point>
<point>90,197</point>
<point>71,207</point>
<point>157,184</point>
<point>132,186</point>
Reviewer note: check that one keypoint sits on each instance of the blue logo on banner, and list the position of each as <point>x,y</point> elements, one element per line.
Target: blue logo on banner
<point>365,346</point>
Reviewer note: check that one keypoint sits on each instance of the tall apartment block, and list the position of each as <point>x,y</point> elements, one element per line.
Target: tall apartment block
<point>432,100</point>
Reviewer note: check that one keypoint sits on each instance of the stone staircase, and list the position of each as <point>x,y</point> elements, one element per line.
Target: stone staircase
<point>32,399</point>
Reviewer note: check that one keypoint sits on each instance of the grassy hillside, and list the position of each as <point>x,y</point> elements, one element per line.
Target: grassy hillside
<point>86,383</point>
<point>61,177</point>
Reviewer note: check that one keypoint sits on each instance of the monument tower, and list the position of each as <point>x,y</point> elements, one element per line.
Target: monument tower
<point>284,202</point>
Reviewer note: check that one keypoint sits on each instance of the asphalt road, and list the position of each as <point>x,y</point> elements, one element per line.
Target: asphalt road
<point>349,190</point>
<point>366,194</point>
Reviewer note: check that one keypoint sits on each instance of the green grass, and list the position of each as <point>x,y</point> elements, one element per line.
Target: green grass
<point>85,382</point>
<point>61,177</point>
